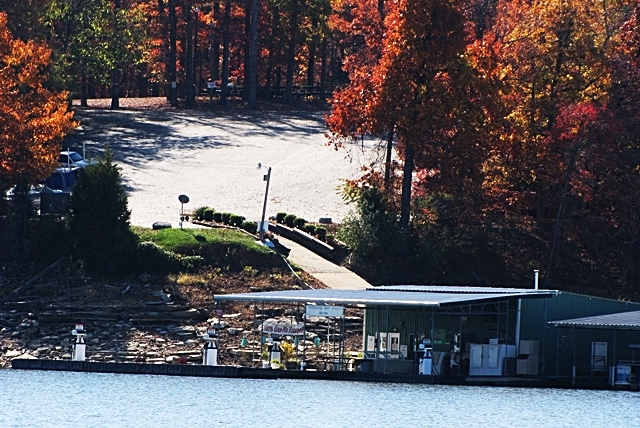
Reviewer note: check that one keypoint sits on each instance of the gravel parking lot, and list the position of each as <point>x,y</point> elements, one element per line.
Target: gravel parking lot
<point>212,155</point>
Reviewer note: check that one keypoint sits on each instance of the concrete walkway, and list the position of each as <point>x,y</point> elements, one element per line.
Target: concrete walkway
<point>332,275</point>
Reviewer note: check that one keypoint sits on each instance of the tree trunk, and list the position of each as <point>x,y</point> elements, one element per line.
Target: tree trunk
<point>115,73</point>
<point>225,53</point>
<point>253,58</point>
<point>291,56</point>
<point>189,95</point>
<point>275,24</point>
<point>165,46</point>
<point>115,89</point>
<point>215,43</point>
<point>323,69</point>
<point>387,162</point>
<point>246,49</point>
<point>172,54</point>
<point>196,79</point>
<point>563,197</point>
<point>311,67</point>
<point>83,88</point>
<point>406,186</point>
<point>268,73</point>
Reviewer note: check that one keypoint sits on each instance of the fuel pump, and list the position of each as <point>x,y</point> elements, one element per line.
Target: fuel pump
<point>426,362</point>
<point>455,353</point>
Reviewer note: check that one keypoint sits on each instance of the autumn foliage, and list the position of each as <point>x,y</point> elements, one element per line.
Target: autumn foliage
<point>511,127</point>
<point>517,124</point>
<point>33,119</point>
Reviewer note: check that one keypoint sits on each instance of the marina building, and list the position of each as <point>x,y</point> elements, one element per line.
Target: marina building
<point>460,334</point>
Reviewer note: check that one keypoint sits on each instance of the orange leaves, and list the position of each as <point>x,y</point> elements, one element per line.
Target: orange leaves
<point>33,119</point>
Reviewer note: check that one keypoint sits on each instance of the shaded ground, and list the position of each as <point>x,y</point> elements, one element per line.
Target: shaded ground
<point>211,154</point>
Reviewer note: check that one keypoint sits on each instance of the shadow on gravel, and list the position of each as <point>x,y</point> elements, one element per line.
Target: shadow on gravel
<point>138,136</point>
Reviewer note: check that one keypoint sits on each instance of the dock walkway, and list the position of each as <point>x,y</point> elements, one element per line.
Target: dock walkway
<point>329,273</point>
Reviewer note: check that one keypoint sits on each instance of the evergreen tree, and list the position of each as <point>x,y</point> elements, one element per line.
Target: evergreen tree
<point>99,220</point>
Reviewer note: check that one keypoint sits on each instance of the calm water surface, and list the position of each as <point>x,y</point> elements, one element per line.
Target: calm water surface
<point>59,399</point>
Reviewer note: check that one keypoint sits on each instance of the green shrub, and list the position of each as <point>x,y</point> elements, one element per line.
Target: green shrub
<point>217,217</point>
<point>208,214</point>
<point>99,220</point>
<point>190,263</point>
<point>280,217</point>
<point>153,258</point>
<point>321,232</point>
<point>198,213</point>
<point>226,218</point>
<point>236,220</point>
<point>330,238</point>
<point>289,220</point>
<point>250,226</point>
<point>300,222</point>
<point>310,229</point>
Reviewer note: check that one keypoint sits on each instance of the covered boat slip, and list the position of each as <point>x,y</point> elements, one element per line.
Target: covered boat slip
<point>428,330</point>
<point>604,348</point>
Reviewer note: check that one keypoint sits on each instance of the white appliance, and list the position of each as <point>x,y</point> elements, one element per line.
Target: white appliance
<point>528,358</point>
<point>489,360</point>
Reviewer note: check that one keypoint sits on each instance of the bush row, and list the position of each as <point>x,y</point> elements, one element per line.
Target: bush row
<point>209,214</point>
<point>298,222</point>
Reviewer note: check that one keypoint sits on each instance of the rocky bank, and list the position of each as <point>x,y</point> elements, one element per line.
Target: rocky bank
<point>160,320</point>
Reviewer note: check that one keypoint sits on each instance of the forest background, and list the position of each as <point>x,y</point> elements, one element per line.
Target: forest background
<point>515,123</point>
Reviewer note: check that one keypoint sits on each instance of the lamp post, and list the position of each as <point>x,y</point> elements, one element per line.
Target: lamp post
<point>266,178</point>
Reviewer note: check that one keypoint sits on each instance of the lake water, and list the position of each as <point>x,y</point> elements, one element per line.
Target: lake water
<point>66,399</point>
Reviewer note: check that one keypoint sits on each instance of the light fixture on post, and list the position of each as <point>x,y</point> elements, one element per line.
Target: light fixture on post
<point>262,226</point>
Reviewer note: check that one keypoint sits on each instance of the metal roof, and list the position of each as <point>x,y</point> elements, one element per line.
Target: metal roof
<point>373,297</point>
<point>459,289</point>
<point>620,320</point>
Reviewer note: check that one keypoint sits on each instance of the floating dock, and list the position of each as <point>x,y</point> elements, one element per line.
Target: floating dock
<point>236,372</point>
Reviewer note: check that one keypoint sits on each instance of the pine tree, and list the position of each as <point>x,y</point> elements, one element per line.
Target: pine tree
<point>99,220</point>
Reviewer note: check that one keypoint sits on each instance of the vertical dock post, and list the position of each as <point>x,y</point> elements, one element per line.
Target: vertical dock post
<point>210,354</point>
<point>79,347</point>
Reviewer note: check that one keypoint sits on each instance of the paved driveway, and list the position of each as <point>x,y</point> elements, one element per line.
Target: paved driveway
<point>211,156</point>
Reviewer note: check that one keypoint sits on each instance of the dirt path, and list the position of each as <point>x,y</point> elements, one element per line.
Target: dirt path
<point>211,156</point>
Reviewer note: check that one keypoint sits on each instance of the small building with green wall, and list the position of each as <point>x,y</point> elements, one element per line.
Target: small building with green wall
<point>477,331</point>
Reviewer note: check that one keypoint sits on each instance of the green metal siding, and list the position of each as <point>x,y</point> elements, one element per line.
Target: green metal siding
<point>417,321</point>
<point>557,346</point>
<point>406,321</point>
<point>575,349</point>
<point>537,312</point>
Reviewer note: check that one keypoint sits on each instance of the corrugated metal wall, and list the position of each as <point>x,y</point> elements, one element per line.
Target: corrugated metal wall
<point>537,312</point>
<point>574,347</point>
<point>556,346</point>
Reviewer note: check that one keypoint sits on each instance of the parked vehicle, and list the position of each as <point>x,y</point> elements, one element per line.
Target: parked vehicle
<point>69,159</point>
